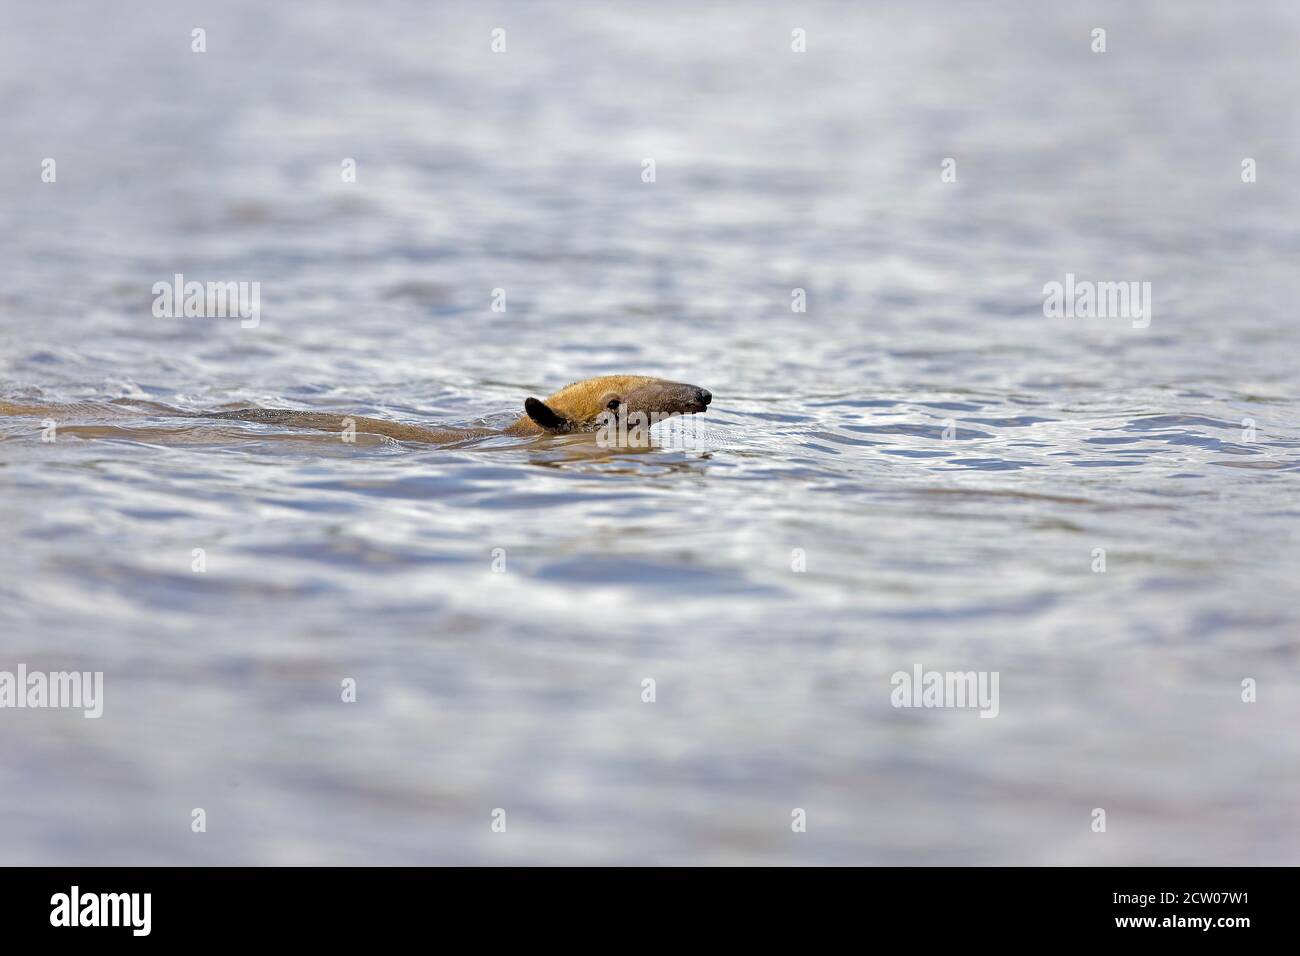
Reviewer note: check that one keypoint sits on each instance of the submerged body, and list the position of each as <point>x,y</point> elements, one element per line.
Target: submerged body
<point>578,407</point>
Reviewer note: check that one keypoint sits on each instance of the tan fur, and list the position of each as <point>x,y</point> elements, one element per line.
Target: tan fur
<point>580,402</point>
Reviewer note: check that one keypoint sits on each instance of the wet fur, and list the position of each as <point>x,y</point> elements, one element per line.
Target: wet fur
<point>580,405</point>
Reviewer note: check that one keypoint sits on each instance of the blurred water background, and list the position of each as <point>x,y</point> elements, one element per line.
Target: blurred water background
<point>775,170</point>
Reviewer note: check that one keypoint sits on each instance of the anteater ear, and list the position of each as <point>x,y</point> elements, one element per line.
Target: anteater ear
<point>545,416</point>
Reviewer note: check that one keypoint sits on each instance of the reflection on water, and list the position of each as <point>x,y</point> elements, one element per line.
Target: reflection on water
<point>942,460</point>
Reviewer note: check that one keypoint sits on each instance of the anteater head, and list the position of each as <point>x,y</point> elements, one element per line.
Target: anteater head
<point>586,405</point>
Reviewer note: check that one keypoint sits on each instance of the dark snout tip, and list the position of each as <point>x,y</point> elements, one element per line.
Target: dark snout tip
<point>704,395</point>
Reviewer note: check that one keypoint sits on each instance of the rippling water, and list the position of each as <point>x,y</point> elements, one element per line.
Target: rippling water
<point>947,459</point>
